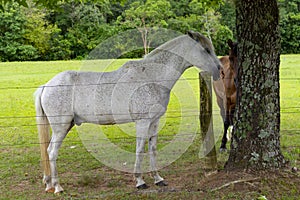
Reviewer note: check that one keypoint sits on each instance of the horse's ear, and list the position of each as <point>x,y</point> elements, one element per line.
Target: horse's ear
<point>230,43</point>
<point>195,36</point>
<point>191,34</point>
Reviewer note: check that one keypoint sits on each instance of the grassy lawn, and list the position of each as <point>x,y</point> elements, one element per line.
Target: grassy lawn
<point>290,107</point>
<point>83,176</point>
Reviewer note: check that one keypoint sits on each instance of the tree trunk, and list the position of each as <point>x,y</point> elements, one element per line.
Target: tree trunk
<point>255,143</point>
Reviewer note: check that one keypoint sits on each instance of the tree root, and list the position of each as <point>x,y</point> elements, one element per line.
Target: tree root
<point>234,182</point>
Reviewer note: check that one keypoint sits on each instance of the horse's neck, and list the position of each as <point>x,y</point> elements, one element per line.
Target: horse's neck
<point>171,66</point>
<point>172,56</point>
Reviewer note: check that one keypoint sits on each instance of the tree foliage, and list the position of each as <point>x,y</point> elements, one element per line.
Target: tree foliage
<point>70,29</point>
<point>38,31</point>
<point>13,43</point>
<point>290,25</point>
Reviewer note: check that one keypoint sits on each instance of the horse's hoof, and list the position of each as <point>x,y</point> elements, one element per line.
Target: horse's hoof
<point>161,183</point>
<point>143,186</point>
<point>58,190</point>
<point>50,190</point>
<point>223,150</point>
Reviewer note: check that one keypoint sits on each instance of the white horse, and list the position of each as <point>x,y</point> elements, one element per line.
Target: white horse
<point>137,92</point>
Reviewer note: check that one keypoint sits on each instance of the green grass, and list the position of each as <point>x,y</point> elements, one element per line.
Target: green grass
<point>82,175</point>
<point>290,107</point>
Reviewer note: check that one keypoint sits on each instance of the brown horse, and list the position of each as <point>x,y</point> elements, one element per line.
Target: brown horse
<point>225,89</point>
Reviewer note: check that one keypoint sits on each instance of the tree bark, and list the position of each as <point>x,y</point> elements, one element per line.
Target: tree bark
<point>256,136</point>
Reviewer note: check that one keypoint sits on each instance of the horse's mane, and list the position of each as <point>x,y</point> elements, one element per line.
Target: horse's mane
<point>174,46</point>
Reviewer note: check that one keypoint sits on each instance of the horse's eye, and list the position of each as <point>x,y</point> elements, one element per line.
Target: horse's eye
<point>207,50</point>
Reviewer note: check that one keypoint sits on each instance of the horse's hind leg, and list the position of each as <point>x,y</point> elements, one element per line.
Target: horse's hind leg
<point>158,180</point>
<point>59,132</point>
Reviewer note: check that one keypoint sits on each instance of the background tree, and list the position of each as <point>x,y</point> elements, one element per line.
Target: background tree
<point>38,32</point>
<point>255,142</point>
<point>290,25</point>
<point>53,4</point>
<point>202,16</point>
<point>227,11</point>
<point>83,25</point>
<point>146,17</point>
<point>13,43</point>
<point>218,33</point>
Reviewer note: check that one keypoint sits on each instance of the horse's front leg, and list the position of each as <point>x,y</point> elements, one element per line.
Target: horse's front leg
<point>231,114</point>
<point>224,138</point>
<point>158,180</point>
<point>142,128</point>
<point>227,122</point>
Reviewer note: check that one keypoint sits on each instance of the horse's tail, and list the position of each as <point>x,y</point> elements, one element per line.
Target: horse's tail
<point>43,130</point>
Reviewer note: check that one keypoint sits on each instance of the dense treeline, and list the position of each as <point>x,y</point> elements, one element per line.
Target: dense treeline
<point>74,28</point>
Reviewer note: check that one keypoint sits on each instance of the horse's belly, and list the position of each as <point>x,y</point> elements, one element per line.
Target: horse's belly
<point>94,104</point>
<point>103,119</point>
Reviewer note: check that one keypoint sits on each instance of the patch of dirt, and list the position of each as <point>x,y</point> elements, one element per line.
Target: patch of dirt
<point>185,180</point>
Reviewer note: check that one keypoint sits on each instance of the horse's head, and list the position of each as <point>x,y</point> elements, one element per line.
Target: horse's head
<point>209,60</point>
<point>233,57</point>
